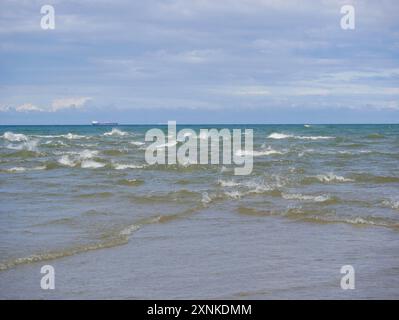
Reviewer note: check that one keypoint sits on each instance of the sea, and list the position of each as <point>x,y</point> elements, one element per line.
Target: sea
<point>83,200</point>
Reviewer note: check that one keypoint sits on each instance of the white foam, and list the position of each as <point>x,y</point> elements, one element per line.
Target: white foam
<point>279,136</point>
<point>298,196</point>
<point>313,137</point>
<point>228,183</point>
<point>137,143</point>
<point>30,145</point>
<point>129,230</point>
<point>259,153</point>
<point>359,220</point>
<point>168,144</point>
<point>16,169</point>
<point>251,185</point>
<point>66,161</point>
<point>14,137</point>
<point>115,132</point>
<point>206,198</point>
<point>71,136</point>
<point>90,164</point>
<point>23,169</point>
<point>330,177</point>
<point>394,204</point>
<point>87,154</point>
<point>233,194</point>
<point>120,166</point>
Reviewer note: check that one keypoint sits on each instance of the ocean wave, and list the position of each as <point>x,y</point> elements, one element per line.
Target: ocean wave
<point>121,166</point>
<point>254,153</point>
<point>87,154</point>
<point>54,144</point>
<point>206,199</point>
<point>320,216</point>
<point>66,161</point>
<point>130,182</point>
<point>114,152</point>
<point>137,143</point>
<point>280,136</point>
<point>116,241</point>
<point>234,194</point>
<point>168,144</point>
<point>91,164</point>
<point>71,136</point>
<point>371,178</point>
<point>23,169</point>
<point>100,195</point>
<point>30,145</point>
<point>228,183</point>
<point>115,237</point>
<point>301,197</point>
<point>14,137</point>
<point>115,132</point>
<point>71,159</point>
<point>330,177</point>
<point>391,203</point>
<point>255,186</point>
<point>375,136</point>
<point>23,154</point>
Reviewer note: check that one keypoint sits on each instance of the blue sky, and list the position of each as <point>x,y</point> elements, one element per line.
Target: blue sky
<point>225,61</point>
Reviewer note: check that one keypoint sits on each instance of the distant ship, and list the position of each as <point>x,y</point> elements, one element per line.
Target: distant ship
<point>96,123</point>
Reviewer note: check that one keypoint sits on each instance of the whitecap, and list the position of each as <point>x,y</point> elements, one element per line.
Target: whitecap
<point>279,136</point>
<point>120,166</point>
<point>168,144</point>
<point>87,154</point>
<point>66,161</point>
<point>298,196</point>
<point>115,132</point>
<point>228,183</point>
<point>14,137</point>
<point>71,136</point>
<point>254,153</point>
<point>90,164</point>
<point>137,143</point>
<point>16,169</point>
<point>129,230</point>
<point>233,194</point>
<point>391,203</point>
<point>23,169</point>
<point>30,145</point>
<point>330,177</point>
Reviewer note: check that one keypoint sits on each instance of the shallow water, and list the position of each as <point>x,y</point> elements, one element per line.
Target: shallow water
<point>82,199</point>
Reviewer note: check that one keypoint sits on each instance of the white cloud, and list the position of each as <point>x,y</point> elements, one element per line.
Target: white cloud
<point>28,107</point>
<point>69,103</point>
<point>4,108</point>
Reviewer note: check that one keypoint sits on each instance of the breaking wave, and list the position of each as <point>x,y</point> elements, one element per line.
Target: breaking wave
<point>301,197</point>
<point>14,137</point>
<point>321,217</point>
<point>279,136</point>
<point>116,132</point>
<point>90,164</point>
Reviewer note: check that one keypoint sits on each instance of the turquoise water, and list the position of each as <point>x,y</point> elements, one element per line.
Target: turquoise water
<point>84,200</point>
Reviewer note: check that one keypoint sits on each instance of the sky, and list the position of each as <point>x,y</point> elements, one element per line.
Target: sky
<point>199,61</point>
